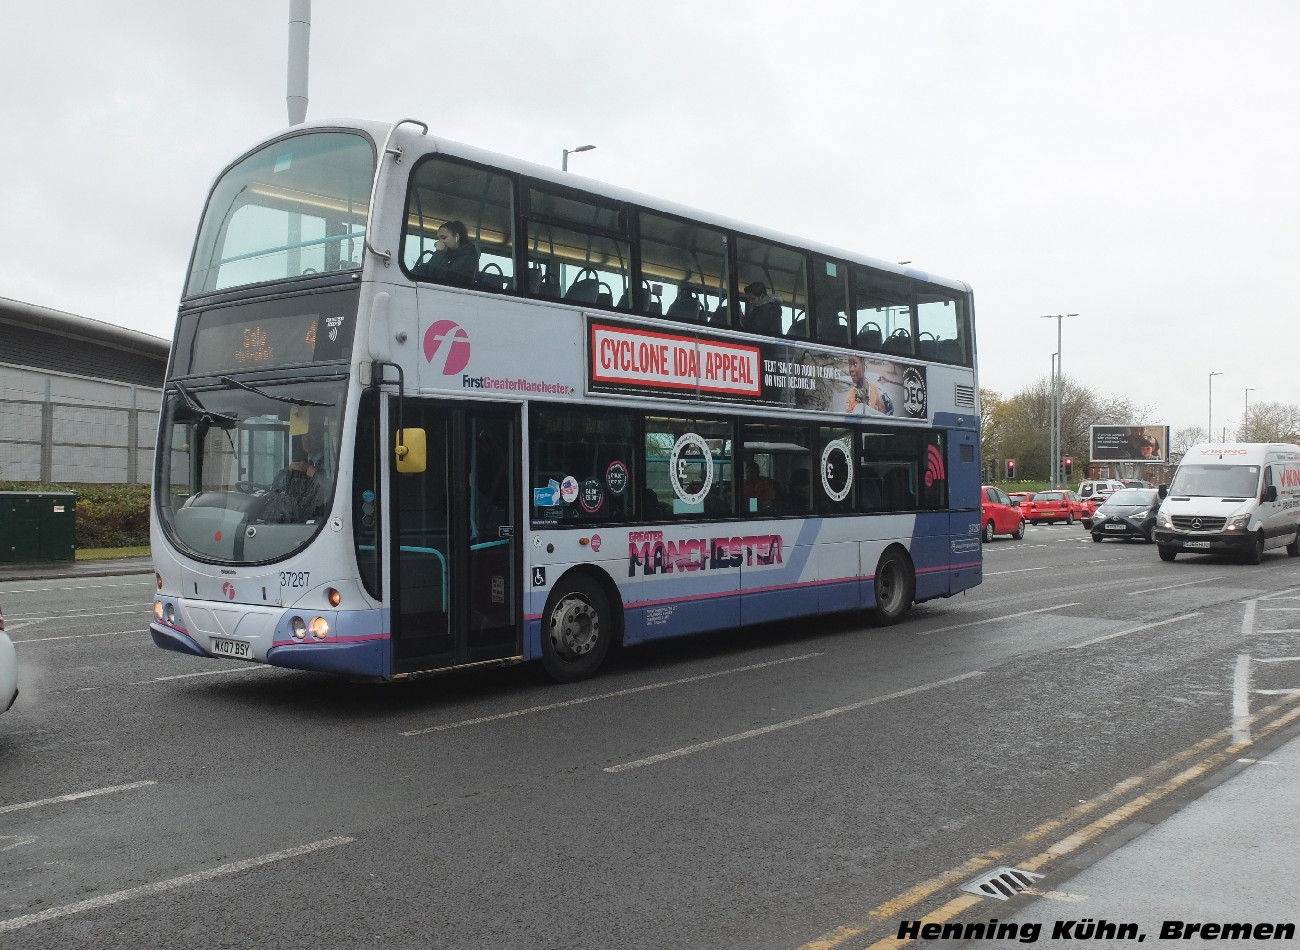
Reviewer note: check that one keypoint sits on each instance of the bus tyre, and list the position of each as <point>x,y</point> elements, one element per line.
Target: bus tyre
<point>576,630</point>
<point>1293,549</point>
<point>1168,552</point>
<point>895,588</point>
<point>988,533</point>
<point>1255,553</point>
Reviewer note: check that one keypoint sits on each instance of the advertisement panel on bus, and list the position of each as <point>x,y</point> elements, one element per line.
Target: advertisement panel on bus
<point>626,358</point>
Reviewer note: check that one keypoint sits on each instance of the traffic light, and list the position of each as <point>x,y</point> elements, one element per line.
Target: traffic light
<point>1011,470</point>
<point>1069,466</point>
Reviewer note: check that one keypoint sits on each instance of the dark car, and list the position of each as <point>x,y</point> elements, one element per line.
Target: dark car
<point>1128,513</point>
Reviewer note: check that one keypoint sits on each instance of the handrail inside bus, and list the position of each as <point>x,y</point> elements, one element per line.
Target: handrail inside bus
<point>290,247</point>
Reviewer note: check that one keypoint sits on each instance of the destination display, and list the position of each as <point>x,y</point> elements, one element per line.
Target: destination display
<point>624,358</point>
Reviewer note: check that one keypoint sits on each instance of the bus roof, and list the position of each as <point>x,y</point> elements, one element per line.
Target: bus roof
<point>411,139</point>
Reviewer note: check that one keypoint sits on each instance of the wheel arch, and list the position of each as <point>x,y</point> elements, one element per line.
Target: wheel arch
<point>601,579</point>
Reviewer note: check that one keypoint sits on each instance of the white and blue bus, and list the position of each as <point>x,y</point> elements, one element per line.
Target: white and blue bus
<point>430,407</point>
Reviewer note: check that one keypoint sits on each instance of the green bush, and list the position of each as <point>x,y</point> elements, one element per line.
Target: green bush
<point>108,516</point>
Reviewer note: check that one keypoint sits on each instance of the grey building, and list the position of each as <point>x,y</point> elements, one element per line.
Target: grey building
<point>79,399</point>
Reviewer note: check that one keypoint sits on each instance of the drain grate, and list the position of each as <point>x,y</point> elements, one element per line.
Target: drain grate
<point>1002,883</point>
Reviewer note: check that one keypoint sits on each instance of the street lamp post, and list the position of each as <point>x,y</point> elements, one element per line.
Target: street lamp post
<point>1209,422</point>
<point>564,159</point>
<point>1057,381</point>
<point>1245,418</point>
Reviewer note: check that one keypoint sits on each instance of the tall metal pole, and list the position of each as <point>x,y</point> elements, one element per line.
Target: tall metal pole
<point>1057,386</point>
<point>299,50</point>
<point>1209,422</point>
<point>1052,427</point>
<point>1245,419</point>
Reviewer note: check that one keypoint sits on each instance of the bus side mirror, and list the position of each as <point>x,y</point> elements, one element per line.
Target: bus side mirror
<point>1270,493</point>
<point>410,451</point>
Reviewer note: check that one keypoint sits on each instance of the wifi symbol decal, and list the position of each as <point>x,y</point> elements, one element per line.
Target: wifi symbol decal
<point>934,471</point>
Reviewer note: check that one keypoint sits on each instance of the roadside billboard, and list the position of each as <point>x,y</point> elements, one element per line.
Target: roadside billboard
<point>1129,443</point>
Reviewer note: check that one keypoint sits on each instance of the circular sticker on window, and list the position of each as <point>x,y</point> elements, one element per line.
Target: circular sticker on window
<point>837,470</point>
<point>914,401</point>
<point>690,468</point>
<point>569,489</point>
<point>616,478</point>
<point>593,496</point>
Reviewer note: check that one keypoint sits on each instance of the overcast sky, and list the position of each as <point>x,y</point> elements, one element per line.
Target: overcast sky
<point>1137,163</point>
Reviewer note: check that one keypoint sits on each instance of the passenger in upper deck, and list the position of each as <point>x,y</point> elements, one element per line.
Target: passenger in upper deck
<point>762,310</point>
<point>454,262</point>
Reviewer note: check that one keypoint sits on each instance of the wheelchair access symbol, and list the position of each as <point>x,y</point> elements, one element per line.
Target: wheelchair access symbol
<point>539,577</point>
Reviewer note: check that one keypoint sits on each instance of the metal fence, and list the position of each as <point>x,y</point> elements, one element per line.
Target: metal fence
<point>73,438</point>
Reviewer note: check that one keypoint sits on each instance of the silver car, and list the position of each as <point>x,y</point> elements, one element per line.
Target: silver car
<point>8,669</point>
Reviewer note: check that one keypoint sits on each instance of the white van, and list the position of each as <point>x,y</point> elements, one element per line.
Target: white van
<point>1241,497</point>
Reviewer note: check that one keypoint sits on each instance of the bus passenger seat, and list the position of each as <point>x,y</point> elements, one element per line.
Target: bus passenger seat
<point>491,277</point>
<point>583,290</point>
<point>869,338</point>
<point>900,341</point>
<point>604,295</point>
<point>687,306</point>
<point>950,351</point>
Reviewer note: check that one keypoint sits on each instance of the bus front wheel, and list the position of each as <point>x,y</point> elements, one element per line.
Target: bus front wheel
<point>576,631</point>
<point>895,588</point>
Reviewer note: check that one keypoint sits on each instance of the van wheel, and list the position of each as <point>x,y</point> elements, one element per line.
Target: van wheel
<point>988,533</point>
<point>1255,553</point>
<point>895,588</point>
<point>1020,531</point>
<point>1168,553</point>
<point>576,631</point>
<point>1293,549</point>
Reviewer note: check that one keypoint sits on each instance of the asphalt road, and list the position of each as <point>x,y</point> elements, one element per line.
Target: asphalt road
<point>800,785</point>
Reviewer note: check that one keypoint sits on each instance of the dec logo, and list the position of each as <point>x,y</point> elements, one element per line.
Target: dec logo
<point>448,341</point>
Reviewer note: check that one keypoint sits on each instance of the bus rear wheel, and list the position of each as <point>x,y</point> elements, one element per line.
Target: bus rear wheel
<point>576,630</point>
<point>895,588</point>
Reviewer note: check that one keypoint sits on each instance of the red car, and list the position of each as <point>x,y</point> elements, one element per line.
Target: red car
<point>1050,506</point>
<point>1020,497</point>
<point>1000,514</point>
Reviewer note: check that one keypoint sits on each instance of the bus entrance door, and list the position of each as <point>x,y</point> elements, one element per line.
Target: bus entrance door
<point>455,578</point>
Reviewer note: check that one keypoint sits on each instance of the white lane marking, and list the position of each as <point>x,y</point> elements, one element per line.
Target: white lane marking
<point>1279,659</point>
<point>1152,590</point>
<point>160,887</point>
<point>787,724</point>
<point>47,590</point>
<point>251,668</point>
<point>18,841</point>
<point>1021,570</point>
<point>614,695</point>
<point>1277,692</point>
<point>1124,633</point>
<point>75,796</point>
<point>107,612</point>
<point>976,623</point>
<point>81,636</point>
<point>1241,701</point>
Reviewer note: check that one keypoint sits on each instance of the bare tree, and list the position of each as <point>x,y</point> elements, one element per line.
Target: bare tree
<point>1271,422</point>
<point>1183,439</point>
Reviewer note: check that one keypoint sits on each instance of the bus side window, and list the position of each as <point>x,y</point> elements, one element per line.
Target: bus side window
<point>446,193</point>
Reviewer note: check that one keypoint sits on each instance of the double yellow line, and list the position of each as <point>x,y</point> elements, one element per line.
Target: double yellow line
<point>882,921</point>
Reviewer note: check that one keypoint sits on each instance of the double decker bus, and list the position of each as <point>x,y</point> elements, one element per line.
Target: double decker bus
<point>430,407</point>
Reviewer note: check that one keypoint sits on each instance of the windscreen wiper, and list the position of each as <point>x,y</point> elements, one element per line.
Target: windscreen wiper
<point>289,399</point>
<point>221,418</point>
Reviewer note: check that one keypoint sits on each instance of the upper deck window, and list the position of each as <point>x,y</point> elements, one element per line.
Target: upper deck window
<point>772,289</point>
<point>459,226</point>
<point>296,207</point>
<point>683,270</point>
<point>578,251</point>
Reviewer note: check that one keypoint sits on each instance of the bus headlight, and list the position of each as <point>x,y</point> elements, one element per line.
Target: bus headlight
<point>334,597</point>
<point>319,627</point>
<point>299,627</point>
